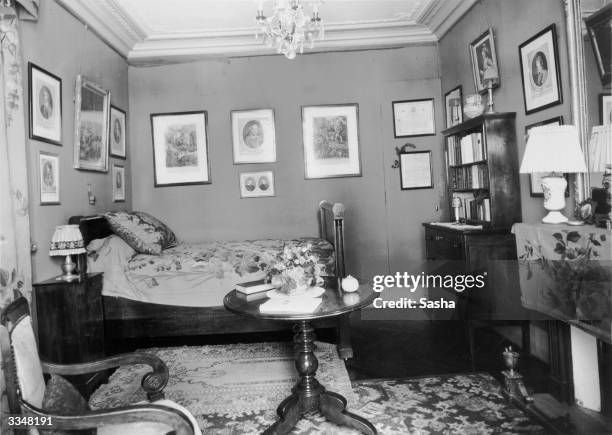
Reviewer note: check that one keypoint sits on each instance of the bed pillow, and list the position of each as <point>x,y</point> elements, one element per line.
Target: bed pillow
<point>108,253</point>
<point>141,231</point>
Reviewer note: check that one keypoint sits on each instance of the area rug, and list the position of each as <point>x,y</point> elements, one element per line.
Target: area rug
<point>229,380</point>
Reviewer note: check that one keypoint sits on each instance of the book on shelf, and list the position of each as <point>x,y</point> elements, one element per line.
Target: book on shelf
<point>469,177</point>
<point>250,287</point>
<point>466,149</point>
<point>290,305</point>
<point>478,209</point>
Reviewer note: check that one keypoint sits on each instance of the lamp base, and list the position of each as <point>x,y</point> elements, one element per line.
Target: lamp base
<point>554,217</point>
<point>68,267</point>
<point>554,199</point>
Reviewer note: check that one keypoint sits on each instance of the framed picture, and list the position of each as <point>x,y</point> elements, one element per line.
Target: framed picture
<point>180,148</point>
<point>45,105</point>
<point>453,101</point>
<point>413,118</point>
<point>540,70</point>
<point>117,133</point>
<point>484,60</point>
<point>535,179</point>
<point>599,28</point>
<point>257,184</point>
<point>92,106</point>
<point>331,141</point>
<point>118,174</point>
<point>253,136</point>
<point>415,170</point>
<point>48,175</point>
<point>605,109</point>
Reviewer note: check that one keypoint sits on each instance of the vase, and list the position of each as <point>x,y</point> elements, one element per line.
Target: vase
<point>293,280</point>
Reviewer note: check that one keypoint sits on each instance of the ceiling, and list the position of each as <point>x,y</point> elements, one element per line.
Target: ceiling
<point>162,31</point>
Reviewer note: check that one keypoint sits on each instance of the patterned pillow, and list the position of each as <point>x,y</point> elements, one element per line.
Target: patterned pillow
<point>141,231</point>
<point>62,398</point>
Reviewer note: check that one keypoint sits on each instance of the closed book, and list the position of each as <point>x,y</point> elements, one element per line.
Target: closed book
<point>252,297</point>
<point>256,286</point>
<point>290,305</point>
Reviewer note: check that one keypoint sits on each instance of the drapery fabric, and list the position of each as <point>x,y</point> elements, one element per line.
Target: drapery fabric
<point>15,266</point>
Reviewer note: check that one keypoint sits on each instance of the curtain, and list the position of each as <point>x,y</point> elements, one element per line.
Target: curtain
<point>15,266</point>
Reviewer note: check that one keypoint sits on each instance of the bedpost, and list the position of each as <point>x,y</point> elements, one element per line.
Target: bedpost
<point>332,214</point>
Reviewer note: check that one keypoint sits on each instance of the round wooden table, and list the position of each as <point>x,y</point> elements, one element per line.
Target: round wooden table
<point>308,394</point>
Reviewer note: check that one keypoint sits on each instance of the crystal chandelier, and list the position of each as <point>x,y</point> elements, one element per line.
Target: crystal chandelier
<point>289,27</point>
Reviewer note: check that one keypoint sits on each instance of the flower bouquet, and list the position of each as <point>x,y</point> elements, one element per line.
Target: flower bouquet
<point>295,270</point>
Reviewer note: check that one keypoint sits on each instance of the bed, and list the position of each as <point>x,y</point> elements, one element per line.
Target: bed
<point>130,316</point>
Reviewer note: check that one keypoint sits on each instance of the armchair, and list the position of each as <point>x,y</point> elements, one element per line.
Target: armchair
<point>23,373</point>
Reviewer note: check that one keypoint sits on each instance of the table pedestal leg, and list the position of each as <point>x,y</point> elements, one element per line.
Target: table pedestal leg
<point>308,395</point>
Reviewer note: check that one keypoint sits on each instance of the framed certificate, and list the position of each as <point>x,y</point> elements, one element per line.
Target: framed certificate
<point>415,170</point>
<point>413,118</point>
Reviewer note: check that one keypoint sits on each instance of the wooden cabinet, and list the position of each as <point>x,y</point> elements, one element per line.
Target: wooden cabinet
<point>70,319</point>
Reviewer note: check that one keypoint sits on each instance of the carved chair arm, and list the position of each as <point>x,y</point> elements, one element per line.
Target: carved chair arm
<point>150,413</point>
<point>153,382</point>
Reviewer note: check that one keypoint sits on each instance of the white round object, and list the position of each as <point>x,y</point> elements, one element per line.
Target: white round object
<point>350,284</point>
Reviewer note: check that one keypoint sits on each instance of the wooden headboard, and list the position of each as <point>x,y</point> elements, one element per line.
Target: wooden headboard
<point>92,227</point>
<point>331,228</point>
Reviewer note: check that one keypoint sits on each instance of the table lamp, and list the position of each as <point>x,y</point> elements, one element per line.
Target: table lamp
<point>600,156</point>
<point>67,240</point>
<point>490,77</point>
<point>554,149</point>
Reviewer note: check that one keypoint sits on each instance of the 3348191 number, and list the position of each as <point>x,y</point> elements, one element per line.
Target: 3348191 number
<point>23,422</point>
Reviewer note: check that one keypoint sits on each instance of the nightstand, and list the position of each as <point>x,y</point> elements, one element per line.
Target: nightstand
<point>70,319</point>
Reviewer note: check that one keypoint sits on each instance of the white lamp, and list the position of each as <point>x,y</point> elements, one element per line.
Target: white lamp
<point>554,149</point>
<point>67,240</point>
<point>600,156</point>
<point>490,78</point>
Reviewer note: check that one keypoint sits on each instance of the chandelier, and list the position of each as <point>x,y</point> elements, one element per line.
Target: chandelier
<point>289,27</point>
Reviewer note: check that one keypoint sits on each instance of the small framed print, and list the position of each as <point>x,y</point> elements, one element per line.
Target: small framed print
<point>118,174</point>
<point>535,179</point>
<point>92,106</point>
<point>540,71</point>
<point>415,170</point>
<point>331,141</point>
<point>180,148</point>
<point>117,133</point>
<point>253,136</point>
<point>257,184</point>
<point>413,118</point>
<point>484,60</point>
<point>45,105</point>
<point>605,109</point>
<point>48,171</point>
<point>453,101</point>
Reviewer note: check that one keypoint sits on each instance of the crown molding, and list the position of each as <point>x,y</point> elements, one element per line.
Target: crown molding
<point>443,15</point>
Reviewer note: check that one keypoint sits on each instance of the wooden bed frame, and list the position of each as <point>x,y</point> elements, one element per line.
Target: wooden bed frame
<point>129,319</point>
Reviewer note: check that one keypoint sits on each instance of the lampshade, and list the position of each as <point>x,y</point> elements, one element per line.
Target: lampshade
<point>553,148</point>
<point>67,240</point>
<point>600,148</point>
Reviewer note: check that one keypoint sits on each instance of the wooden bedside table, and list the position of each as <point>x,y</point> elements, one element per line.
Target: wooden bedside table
<point>70,319</point>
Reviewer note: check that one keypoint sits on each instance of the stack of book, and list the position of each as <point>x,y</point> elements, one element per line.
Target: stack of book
<point>469,177</point>
<point>257,286</point>
<point>466,149</point>
<point>478,208</point>
<point>290,305</point>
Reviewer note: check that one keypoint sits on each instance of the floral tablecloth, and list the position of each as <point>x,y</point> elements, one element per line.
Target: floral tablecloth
<point>565,272</point>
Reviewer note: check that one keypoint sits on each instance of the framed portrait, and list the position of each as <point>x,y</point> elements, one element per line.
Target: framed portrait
<point>331,141</point>
<point>118,182</point>
<point>257,184</point>
<point>415,170</point>
<point>413,118</point>
<point>535,179</point>
<point>92,106</point>
<point>453,102</point>
<point>180,148</point>
<point>484,60</point>
<point>117,133</point>
<point>599,28</point>
<point>45,91</point>
<point>48,175</point>
<point>540,70</point>
<point>605,109</point>
<point>253,136</point>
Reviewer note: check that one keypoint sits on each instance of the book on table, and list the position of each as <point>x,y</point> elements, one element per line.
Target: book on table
<point>290,305</point>
<point>250,287</point>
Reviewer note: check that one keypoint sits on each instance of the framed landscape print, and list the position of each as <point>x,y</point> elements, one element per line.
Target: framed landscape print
<point>117,133</point>
<point>180,148</point>
<point>413,118</point>
<point>253,136</point>
<point>331,141</point>
<point>118,181</point>
<point>484,59</point>
<point>45,91</point>
<point>535,179</point>
<point>453,102</point>
<point>540,71</point>
<point>415,170</point>
<point>256,184</point>
<point>605,109</point>
<point>48,176</point>
<point>92,106</point>
<point>599,28</point>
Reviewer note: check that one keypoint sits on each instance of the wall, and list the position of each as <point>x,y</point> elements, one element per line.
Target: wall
<point>373,79</point>
<point>61,45</point>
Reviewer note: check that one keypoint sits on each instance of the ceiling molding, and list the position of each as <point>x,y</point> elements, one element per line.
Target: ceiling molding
<point>445,14</point>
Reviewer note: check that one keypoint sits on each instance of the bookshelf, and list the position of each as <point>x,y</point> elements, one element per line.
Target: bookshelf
<point>481,160</point>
